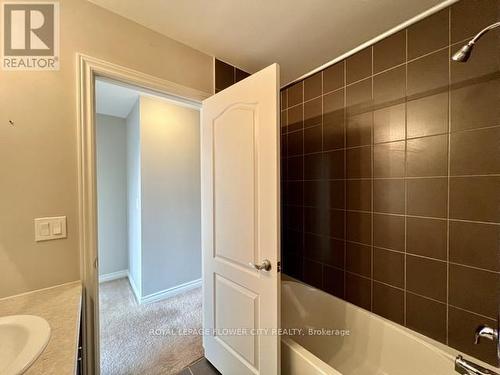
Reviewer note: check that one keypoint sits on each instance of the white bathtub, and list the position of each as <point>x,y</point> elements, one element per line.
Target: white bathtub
<point>375,346</point>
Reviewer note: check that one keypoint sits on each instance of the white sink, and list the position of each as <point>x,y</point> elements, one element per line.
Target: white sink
<point>22,339</point>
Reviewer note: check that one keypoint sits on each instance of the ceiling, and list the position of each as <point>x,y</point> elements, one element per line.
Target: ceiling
<point>300,35</point>
<point>114,100</point>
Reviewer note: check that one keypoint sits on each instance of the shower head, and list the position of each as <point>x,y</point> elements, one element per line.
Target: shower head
<point>463,54</point>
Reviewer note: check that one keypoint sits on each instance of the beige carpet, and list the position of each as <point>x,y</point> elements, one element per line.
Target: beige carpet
<point>127,345</point>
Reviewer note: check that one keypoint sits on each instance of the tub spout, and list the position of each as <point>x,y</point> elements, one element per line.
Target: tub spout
<point>465,367</point>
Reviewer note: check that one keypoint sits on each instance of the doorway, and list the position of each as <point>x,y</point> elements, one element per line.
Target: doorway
<point>250,104</point>
<point>149,245</point>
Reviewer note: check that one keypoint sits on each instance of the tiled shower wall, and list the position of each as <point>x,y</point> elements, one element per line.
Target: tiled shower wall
<point>226,75</point>
<point>391,178</point>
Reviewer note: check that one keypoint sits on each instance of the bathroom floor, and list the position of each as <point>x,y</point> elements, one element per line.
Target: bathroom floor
<point>201,367</point>
<point>129,344</point>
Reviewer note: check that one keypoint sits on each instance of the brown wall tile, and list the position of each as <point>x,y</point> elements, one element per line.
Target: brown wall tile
<point>295,143</point>
<point>389,52</point>
<point>313,86</point>
<point>427,196</point>
<point>428,115</point>
<point>284,99</point>
<point>316,220</point>
<point>295,168</point>
<point>333,77</point>
<point>388,302</point>
<point>358,290</point>
<point>426,277</point>
<point>358,259</point>
<point>389,231</point>
<point>295,118</point>
<point>474,290</point>
<point>426,237</point>
<point>389,196</point>
<point>333,120</point>
<point>475,152</point>
<point>359,195</point>
<point>315,193</point>
<point>337,194</point>
<point>427,156</point>
<point>475,198</point>
<point>296,94</point>
<point>313,112</point>
<point>389,159</point>
<point>315,247</point>
<point>336,223</point>
<point>427,75</point>
<point>224,75</point>
<point>334,255</point>
<point>475,244</point>
<point>240,75</point>
<point>283,121</point>
<point>359,97</point>
<point>428,35</point>
<point>359,129</point>
<point>426,316</point>
<point>313,139</point>
<point>389,267</point>
<point>468,17</point>
<point>313,273</point>
<point>389,123</point>
<point>359,227</point>
<point>359,65</point>
<point>359,162</point>
<point>389,88</point>
<point>334,164</point>
<point>334,281</point>
<point>475,105</point>
<point>314,167</point>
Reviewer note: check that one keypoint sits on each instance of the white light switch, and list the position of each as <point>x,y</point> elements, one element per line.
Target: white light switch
<point>50,228</point>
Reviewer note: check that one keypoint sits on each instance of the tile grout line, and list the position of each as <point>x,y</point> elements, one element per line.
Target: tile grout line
<point>344,120</point>
<point>372,156</point>
<point>448,187</point>
<point>405,183</point>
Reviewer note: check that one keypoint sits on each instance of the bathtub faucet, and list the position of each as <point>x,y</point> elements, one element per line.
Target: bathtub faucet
<point>465,367</point>
<point>485,332</point>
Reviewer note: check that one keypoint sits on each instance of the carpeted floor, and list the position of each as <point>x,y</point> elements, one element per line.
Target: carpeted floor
<point>127,344</point>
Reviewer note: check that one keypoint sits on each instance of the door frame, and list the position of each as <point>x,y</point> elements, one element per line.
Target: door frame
<point>88,69</point>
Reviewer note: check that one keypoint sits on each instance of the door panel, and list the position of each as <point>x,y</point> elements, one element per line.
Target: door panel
<point>235,180</point>
<point>240,217</point>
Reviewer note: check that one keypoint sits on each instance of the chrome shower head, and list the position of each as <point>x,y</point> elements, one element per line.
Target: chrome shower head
<point>463,54</point>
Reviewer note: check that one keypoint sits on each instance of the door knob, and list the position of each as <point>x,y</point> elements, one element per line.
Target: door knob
<point>265,265</point>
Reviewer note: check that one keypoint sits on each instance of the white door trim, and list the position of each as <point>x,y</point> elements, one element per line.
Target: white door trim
<point>88,68</point>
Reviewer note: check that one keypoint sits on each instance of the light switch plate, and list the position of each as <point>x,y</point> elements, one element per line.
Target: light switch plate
<point>50,228</point>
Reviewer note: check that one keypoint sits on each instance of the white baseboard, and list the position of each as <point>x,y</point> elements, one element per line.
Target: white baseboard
<point>170,292</point>
<point>113,276</point>
<point>154,297</point>
<point>135,290</point>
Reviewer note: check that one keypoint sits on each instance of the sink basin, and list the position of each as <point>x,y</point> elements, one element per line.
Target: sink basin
<point>22,339</point>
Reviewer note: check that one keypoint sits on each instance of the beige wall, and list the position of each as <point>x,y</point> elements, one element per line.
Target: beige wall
<point>38,157</point>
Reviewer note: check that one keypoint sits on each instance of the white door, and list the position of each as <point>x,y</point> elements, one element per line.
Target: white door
<point>240,225</point>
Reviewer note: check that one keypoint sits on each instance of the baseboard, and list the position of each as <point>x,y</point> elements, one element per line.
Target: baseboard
<point>135,290</point>
<point>113,276</point>
<point>170,292</point>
